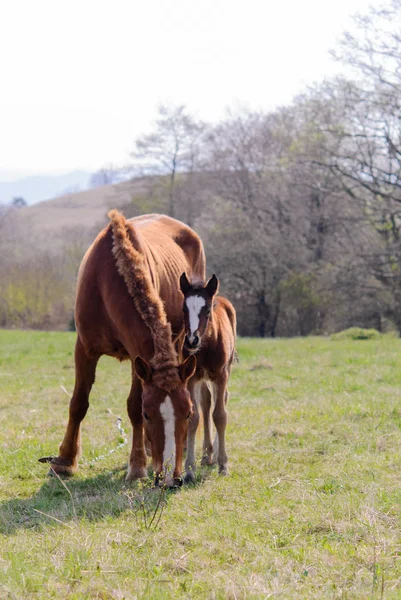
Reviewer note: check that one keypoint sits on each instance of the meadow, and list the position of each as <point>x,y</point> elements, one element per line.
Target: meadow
<point>311,508</point>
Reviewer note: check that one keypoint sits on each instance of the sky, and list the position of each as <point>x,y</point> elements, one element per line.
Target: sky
<point>80,80</point>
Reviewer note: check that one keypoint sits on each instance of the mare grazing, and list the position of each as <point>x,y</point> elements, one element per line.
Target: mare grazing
<point>210,326</point>
<point>128,305</point>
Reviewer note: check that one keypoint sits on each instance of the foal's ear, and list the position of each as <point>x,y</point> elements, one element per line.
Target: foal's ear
<point>212,285</point>
<point>143,369</point>
<point>185,285</point>
<point>187,368</point>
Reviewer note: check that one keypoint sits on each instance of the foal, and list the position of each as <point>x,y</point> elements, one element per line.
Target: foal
<point>210,327</point>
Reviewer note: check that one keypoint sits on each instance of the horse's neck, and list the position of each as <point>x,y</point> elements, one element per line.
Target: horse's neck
<point>212,330</point>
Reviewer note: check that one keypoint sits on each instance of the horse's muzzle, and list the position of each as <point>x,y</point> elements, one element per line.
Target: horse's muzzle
<point>194,345</point>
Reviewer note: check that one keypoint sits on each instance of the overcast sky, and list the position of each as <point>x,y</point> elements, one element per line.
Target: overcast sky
<point>81,79</point>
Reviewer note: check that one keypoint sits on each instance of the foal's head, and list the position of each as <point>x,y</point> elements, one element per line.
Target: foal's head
<point>198,306</point>
<point>166,413</point>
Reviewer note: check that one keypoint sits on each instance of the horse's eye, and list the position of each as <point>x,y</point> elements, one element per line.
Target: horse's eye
<point>146,416</point>
<point>208,313</point>
<point>189,414</point>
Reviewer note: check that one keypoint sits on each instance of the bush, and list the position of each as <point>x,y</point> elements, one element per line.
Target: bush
<point>71,324</point>
<point>356,333</point>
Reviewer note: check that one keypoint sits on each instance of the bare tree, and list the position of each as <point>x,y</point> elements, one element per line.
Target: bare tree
<point>359,131</point>
<point>106,176</point>
<point>18,202</point>
<point>173,147</point>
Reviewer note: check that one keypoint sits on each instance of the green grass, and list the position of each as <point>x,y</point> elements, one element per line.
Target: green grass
<point>311,509</point>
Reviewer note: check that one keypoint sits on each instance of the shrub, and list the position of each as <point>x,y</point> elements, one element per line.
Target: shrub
<point>356,333</point>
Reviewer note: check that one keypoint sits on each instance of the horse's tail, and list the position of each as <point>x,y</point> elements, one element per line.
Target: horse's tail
<point>131,265</point>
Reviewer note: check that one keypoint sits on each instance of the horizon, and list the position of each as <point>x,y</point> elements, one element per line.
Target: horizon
<point>15,176</point>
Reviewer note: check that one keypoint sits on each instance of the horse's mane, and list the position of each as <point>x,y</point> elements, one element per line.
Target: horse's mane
<point>132,267</point>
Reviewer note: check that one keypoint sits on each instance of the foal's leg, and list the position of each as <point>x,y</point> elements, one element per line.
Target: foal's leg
<point>220,421</point>
<point>206,403</point>
<point>70,448</point>
<point>193,388</point>
<point>137,459</point>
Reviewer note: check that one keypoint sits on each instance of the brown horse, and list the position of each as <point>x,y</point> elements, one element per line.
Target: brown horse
<point>128,305</point>
<point>210,326</point>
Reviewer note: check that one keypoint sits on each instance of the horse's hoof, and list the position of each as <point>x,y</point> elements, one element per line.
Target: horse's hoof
<point>206,461</point>
<point>223,470</point>
<point>60,467</point>
<point>136,473</point>
<point>189,477</point>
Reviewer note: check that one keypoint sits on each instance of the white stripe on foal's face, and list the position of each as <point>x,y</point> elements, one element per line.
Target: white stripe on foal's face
<point>194,305</point>
<point>167,412</point>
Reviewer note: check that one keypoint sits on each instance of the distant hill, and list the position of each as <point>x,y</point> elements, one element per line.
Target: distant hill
<point>37,188</point>
<point>69,218</point>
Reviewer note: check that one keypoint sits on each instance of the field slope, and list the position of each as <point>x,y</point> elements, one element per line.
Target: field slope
<point>311,508</point>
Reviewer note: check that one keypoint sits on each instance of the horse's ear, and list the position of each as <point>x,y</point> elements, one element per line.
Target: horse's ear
<point>178,342</point>
<point>212,285</point>
<point>185,285</point>
<point>143,369</point>
<point>187,368</point>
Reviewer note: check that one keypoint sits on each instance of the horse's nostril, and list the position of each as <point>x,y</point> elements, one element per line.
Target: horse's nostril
<point>194,343</point>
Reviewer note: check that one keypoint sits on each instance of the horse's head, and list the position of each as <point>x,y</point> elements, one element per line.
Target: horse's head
<point>198,306</point>
<point>166,415</point>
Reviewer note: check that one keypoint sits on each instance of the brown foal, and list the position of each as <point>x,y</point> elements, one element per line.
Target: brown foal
<point>210,326</point>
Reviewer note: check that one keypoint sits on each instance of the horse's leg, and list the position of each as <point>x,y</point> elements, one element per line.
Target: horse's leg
<point>206,403</point>
<point>193,388</point>
<point>70,447</point>
<point>220,421</point>
<point>137,459</point>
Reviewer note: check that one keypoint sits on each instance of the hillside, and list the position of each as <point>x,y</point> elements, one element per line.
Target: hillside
<point>63,219</point>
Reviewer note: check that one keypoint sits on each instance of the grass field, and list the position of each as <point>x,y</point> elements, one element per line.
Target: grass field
<point>311,509</point>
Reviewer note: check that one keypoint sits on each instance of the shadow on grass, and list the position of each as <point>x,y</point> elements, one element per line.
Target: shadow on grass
<point>61,502</point>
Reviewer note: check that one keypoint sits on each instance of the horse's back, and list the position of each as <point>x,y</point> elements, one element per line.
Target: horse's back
<point>227,326</point>
<point>163,233</point>
<point>227,316</point>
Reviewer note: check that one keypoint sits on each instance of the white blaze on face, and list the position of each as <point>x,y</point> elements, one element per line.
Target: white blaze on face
<point>167,412</point>
<point>194,305</point>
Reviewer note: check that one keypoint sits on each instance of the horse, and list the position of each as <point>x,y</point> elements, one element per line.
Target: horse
<point>210,328</point>
<point>128,305</point>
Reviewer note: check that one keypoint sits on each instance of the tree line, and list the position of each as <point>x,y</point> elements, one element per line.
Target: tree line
<point>298,208</point>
